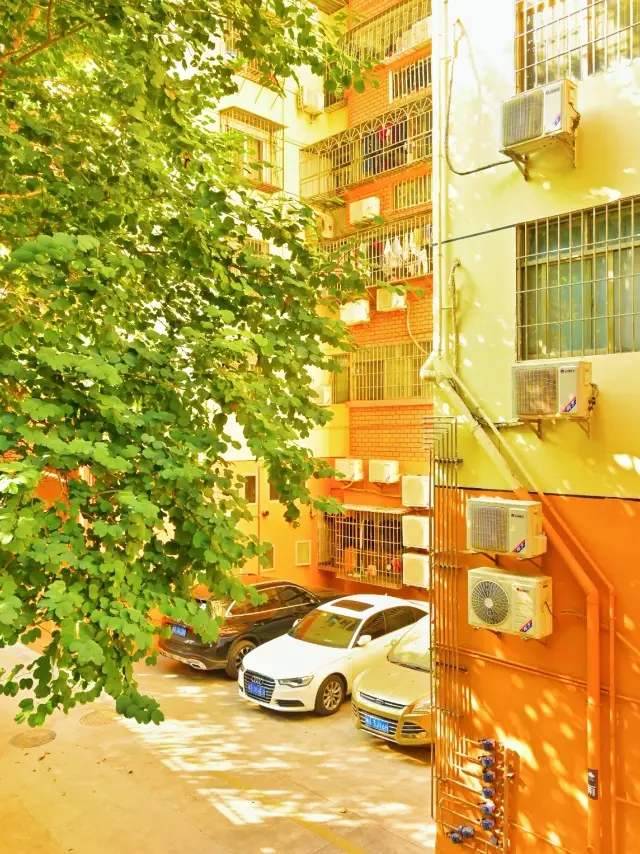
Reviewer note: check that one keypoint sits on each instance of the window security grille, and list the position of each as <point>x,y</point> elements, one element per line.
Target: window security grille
<point>573,38</point>
<point>388,372</point>
<point>578,283</point>
<point>411,80</point>
<point>363,545</point>
<point>392,32</point>
<point>410,194</point>
<point>261,159</point>
<point>390,141</point>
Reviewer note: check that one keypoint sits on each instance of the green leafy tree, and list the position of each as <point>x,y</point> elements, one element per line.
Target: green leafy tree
<point>135,320</point>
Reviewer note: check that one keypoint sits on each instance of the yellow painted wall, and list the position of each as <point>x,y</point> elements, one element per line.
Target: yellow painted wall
<point>608,167</point>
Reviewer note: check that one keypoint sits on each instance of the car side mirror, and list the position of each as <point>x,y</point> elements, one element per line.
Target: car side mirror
<point>364,640</point>
<point>296,623</point>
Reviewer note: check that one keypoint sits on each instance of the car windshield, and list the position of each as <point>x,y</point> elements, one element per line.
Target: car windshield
<point>413,648</point>
<point>326,629</point>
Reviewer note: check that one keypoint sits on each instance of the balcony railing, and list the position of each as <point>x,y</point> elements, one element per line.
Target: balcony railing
<point>260,159</point>
<point>228,47</point>
<point>363,544</point>
<point>383,144</point>
<point>391,33</point>
<point>396,252</point>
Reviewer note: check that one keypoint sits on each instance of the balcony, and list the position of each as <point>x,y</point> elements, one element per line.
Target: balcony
<point>260,158</point>
<point>394,32</point>
<point>230,50</point>
<point>381,145</point>
<point>396,252</point>
<point>363,544</point>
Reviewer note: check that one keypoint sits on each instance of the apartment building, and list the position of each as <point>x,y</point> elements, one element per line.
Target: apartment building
<point>517,246</point>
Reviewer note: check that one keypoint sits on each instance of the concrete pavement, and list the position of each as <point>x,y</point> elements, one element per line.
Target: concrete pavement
<point>220,776</point>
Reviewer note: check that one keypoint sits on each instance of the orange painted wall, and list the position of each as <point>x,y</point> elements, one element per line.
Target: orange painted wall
<point>542,718</point>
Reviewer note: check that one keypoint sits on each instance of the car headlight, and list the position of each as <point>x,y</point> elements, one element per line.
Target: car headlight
<point>424,705</point>
<point>296,681</point>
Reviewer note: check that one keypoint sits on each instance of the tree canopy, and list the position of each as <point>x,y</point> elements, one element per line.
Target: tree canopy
<point>135,319</point>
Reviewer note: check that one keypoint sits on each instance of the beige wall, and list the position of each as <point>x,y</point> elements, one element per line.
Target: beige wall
<point>608,168</point>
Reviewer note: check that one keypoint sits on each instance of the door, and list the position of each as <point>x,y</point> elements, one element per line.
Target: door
<point>364,657</point>
<point>269,618</point>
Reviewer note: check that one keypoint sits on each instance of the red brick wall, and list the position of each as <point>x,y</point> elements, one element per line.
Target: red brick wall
<point>391,327</point>
<point>391,433</point>
<point>382,187</point>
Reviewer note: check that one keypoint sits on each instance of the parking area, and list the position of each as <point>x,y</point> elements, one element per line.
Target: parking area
<point>220,776</point>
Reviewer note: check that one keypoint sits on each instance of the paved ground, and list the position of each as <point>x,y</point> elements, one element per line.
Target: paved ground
<point>218,777</point>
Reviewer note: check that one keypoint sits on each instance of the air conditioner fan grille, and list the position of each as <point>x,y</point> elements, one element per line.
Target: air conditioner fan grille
<point>489,528</point>
<point>536,391</point>
<point>522,118</point>
<point>490,602</point>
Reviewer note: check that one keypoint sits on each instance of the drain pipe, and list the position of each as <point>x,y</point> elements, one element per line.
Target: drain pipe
<point>438,370</point>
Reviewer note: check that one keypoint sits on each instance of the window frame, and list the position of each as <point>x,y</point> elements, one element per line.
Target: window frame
<point>298,562</point>
<point>254,476</point>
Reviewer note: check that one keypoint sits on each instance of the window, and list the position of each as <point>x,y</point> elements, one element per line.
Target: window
<point>296,596</point>
<point>251,488</point>
<point>270,558</point>
<point>403,27</point>
<point>410,194</point>
<point>326,629</point>
<point>274,495</point>
<point>341,381</point>
<point>398,618</point>
<point>578,283</point>
<point>261,155</point>
<point>374,626</point>
<point>410,80</point>
<point>573,38</point>
<point>364,545</point>
<point>247,607</point>
<point>389,372</point>
<point>303,552</point>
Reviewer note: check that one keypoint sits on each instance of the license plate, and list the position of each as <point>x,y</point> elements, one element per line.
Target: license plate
<point>179,630</point>
<point>256,690</point>
<point>376,723</point>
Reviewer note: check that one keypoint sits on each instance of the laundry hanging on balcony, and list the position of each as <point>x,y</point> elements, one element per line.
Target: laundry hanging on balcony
<point>385,148</point>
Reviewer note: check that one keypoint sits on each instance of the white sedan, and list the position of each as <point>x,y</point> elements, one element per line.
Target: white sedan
<point>312,668</point>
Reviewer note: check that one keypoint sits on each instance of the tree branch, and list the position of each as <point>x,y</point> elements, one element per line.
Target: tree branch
<point>17,42</point>
<point>49,16</point>
<point>28,195</point>
<point>49,42</point>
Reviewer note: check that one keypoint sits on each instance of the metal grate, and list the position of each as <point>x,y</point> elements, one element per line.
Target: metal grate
<point>380,702</point>
<point>391,33</point>
<point>536,391</point>
<point>261,248</point>
<point>578,283</point>
<point>522,118</point>
<point>410,194</point>
<point>489,527</point>
<point>390,141</point>
<point>573,38</point>
<point>261,157</point>
<point>396,252</point>
<point>388,372</point>
<point>33,738</point>
<point>410,80</point>
<point>228,47</point>
<point>363,545</point>
<point>265,682</point>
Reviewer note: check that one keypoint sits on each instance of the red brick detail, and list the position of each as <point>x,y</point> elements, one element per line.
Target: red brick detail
<point>391,327</point>
<point>389,434</point>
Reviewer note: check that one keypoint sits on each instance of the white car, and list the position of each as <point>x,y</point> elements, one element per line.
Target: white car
<point>312,668</point>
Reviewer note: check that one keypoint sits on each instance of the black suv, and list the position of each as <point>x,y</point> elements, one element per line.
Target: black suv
<point>245,626</point>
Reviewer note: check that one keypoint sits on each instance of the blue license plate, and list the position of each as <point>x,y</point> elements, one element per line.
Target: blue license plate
<point>376,723</point>
<point>179,630</point>
<point>256,690</point>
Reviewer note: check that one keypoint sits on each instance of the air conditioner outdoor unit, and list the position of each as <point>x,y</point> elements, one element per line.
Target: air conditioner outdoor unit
<point>510,603</point>
<point>326,225</point>
<point>324,395</point>
<point>390,300</point>
<point>351,469</point>
<point>502,526</point>
<point>352,313</point>
<point>384,471</point>
<point>417,491</point>
<point>364,210</point>
<point>416,570</point>
<point>536,118</point>
<point>555,389</point>
<point>311,100</point>
<point>416,532</point>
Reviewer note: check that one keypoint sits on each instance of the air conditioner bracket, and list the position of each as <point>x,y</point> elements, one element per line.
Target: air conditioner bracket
<point>521,161</point>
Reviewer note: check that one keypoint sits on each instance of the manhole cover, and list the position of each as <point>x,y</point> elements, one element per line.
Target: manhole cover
<point>98,718</point>
<point>34,738</point>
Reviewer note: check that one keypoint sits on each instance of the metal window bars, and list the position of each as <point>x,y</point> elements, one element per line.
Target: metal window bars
<point>388,372</point>
<point>412,193</point>
<point>261,248</point>
<point>227,45</point>
<point>396,252</point>
<point>578,283</point>
<point>363,545</point>
<point>410,80</point>
<point>261,156</point>
<point>391,33</point>
<point>383,144</point>
<point>573,38</point>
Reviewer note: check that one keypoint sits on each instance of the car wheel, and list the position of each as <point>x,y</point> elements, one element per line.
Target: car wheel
<point>330,695</point>
<point>237,652</point>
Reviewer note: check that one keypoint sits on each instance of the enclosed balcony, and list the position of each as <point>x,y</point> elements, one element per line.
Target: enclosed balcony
<point>396,31</point>
<point>396,252</point>
<point>384,144</point>
<point>260,159</point>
